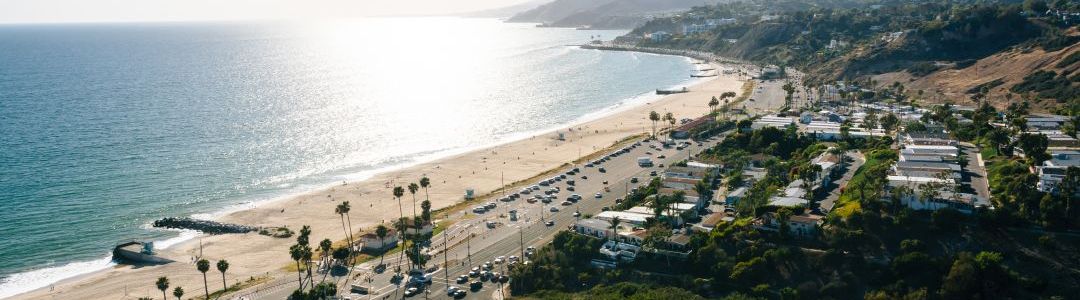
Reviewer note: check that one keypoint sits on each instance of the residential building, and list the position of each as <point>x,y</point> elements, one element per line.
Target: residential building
<point>1052,171</point>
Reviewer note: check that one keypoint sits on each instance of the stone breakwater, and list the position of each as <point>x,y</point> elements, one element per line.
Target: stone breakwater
<point>204,226</point>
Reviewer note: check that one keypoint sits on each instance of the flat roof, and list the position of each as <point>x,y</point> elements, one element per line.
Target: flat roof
<point>927,165</point>
<point>787,201</point>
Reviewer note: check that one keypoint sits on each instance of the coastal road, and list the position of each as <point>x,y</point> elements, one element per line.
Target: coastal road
<point>482,244</point>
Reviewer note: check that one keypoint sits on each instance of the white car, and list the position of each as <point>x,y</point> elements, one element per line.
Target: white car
<point>599,195</point>
<point>554,209</point>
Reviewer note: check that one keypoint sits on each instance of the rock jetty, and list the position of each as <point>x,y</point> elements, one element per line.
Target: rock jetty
<point>204,226</point>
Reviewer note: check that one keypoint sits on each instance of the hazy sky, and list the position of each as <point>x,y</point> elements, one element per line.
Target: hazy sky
<point>57,11</point>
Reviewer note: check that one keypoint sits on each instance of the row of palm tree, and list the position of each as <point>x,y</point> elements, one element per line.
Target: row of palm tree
<point>203,266</point>
<point>402,224</point>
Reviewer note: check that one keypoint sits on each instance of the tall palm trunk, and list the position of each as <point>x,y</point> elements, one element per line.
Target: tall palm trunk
<point>299,275</point>
<point>206,287</point>
<point>416,233</point>
<point>401,213</point>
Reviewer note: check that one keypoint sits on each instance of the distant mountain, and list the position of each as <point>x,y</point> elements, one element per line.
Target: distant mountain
<point>622,14</point>
<point>948,51</point>
<point>506,11</point>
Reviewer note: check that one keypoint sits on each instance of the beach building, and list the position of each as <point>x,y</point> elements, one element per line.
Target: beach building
<point>371,242</point>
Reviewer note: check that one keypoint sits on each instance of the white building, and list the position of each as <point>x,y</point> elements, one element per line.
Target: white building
<point>1052,171</point>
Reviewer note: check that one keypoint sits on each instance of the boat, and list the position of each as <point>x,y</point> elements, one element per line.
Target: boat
<point>138,253</point>
<point>675,91</point>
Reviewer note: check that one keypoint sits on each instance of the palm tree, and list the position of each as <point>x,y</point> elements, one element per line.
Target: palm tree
<point>222,266</point>
<point>671,118</point>
<point>343,211</point>
<point>163,285</point>
<point>615,227</point>
<point>297,253</point>
<point>679,196</point>
<point>307,261</point>
<point>654,117</point>
<point>381,232</point>
<point>398,192</point>
<point>713,103</point>
<point>413,187</point>
<point>204,266</point>
<point>178,292</point>
<point>325,247</point>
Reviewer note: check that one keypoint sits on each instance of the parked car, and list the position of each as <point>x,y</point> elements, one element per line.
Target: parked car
<point>549,223</point>
<point>599,195</point>
<point>554,209</point>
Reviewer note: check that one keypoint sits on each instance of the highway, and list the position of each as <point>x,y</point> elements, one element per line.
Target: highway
<point>508,237</point>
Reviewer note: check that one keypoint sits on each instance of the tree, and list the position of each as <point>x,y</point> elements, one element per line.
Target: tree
<point>997,137</point>
<point>222,266</point>
<point>398,192</point>
<point>412,190</point>
<point>654,117</point>
<point>297,253</point>
<point>325,246</point>
<point>1034,146</point>
<point>163,285</point>
<point>203,266</point>
<point>343,211</point>
<point>615,227</point>
<point>178,292</point>
<point>889,122</point>
<point>713,103</point>
<point>1036,6</point>
<point>671,118</point>
<point>426,205</point>
<point>381,232</point>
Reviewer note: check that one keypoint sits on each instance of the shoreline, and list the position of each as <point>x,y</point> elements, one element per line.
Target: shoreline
<point>262,213</point>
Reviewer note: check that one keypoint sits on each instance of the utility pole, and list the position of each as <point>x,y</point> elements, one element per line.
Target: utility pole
<point>521,239</point>
<point>446,254</point>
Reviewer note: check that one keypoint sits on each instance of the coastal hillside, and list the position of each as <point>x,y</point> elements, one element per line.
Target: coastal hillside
<point>620,14</point>
<point>925,43</point>
<point>506,11</point>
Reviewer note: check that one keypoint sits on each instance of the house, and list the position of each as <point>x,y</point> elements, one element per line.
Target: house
<point>709,222</point>
<point>798,225</point>
<point>371,242</point>
<point>927,169</point>
<point>1053,171</point>
<point>735,196</point>
<point>593,227</point>
<point>773,121</point>
<point>625,217</point>
<point>658,36</point>
<point>944,195</point>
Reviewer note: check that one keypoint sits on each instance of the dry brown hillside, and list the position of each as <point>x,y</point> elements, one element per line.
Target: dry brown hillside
<point>950,83</point>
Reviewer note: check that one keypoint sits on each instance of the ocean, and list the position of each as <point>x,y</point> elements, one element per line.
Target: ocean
<point>107,127</point>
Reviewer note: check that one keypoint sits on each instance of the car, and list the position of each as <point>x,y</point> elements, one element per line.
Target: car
<point>411,292</point>
<point>535,187</point>
<point>544,183</point>
<point>605,208</point>
<point>577,214</point>
<point>513,258</point>
<point>652,173</point>
<point>498,260</point>
<point>661,156</point>
<point>570,182</point>
<point>479,209</point>
<point>487,265</point>
<point>602,170</point>
<point>463,279</point>
<point>554,209</point>
<point>633,180</point>
<point>460,294</point>
<point>450,291</point>
<point>567,203</point>
<point>491,205</point>
<point>575,197</point>
<point>526,191</point>
<point>584,177</point>
<point>589,165</point>
<point>660,165</point>
<point>618,200</point>
<point>599,195</point>
<point>576,170</point>
<point>549,223</point>
<point>490,224</point>
<point>476,285</point>
<point>495,277</point>
<point>605,182</point>
<point>570,188</point>
<point>546,200</point>
<point>648,152</point>
<point>562,176</point>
